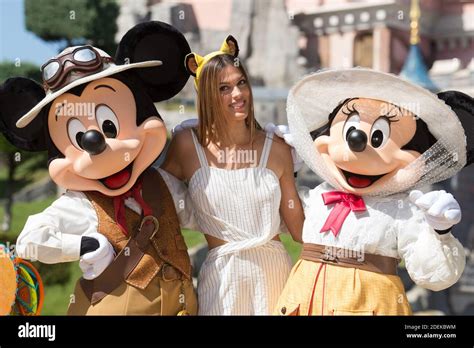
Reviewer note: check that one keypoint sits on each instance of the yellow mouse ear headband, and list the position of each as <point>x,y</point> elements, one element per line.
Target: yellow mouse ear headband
<point>194,62</point>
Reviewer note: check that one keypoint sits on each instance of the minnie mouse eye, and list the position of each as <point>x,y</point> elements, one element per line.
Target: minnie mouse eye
<point>107,121</point>
<point>351,124</point>
<point>380,132</point>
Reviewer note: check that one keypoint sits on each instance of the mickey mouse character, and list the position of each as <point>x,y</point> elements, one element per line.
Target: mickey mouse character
<point>96,118</point>
<point>375,139</point>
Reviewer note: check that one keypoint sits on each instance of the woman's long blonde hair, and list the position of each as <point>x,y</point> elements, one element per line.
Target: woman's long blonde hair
<point>213,126</point>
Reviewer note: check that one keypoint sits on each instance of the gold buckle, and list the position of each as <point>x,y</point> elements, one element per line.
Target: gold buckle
<point>150,219</point>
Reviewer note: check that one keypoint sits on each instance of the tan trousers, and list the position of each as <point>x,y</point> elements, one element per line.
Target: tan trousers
<point>161,297</point>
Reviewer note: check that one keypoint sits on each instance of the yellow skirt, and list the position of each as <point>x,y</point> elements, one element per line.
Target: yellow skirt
<point>315,288</point>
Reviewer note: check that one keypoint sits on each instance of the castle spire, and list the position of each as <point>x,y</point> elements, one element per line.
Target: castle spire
<point>414,22</point>
<point>414,69</point>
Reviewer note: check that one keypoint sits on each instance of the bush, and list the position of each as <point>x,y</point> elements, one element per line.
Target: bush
<point>59,273</point>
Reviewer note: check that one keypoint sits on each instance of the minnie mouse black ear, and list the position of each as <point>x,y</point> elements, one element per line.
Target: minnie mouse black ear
<point>463,106</point>
<point>156,41</point>
<point>17,96</point>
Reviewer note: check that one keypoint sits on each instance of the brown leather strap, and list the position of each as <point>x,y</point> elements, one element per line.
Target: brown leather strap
<point>349,258</point>
<point>123,264</point>
<point>169,243</point>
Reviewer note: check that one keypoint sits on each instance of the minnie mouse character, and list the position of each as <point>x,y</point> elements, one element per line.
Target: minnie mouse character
<point>375,139</point>
<point>96,118</point>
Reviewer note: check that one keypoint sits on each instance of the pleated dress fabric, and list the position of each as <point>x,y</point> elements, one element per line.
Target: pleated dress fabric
<point>246,275</point>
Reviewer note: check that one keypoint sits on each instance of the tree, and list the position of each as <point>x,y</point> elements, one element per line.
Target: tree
<point>9,155</point>
<point>76,21</point>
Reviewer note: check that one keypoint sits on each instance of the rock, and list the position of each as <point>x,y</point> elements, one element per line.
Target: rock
<point>179,15</point>
<point>131,13</point>
<point>273,55</point>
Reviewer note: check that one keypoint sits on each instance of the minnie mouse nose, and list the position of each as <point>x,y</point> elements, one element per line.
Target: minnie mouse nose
<point>93,142</point>
<point>357,140</point>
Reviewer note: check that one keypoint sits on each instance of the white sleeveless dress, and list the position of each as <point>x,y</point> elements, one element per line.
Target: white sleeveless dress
<point>246,275</point>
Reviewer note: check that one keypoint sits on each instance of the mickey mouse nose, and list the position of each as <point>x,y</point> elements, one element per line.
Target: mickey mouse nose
<point>357,140</point>
<point>93,142</point>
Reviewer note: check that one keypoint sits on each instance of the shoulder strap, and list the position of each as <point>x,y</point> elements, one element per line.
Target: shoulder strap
<point>199,150</point>
<point>168,242</point>
<point>267,146</point>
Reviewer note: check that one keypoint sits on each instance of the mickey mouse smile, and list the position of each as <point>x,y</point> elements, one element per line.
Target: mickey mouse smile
<point>360,180</point>
<point>119,179</point>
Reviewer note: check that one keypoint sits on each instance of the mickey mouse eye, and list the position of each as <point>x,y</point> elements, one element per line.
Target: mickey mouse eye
<point>351,124</point>
<point>107,121</point>
<point>75,130</point>
<point>380,132</point>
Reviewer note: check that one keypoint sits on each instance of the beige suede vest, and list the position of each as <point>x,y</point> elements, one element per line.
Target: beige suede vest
<point>167,245</point>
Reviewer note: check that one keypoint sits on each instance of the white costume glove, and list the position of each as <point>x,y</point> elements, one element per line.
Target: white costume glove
<point>95,262</point>
<point>441,210</point>
<point>186,124</point>
<point>283,131</point>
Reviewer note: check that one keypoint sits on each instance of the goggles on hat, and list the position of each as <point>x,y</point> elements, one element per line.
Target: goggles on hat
<point>84,59</point>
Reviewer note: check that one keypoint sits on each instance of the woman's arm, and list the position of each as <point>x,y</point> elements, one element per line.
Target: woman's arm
<point>172,163</point>
<point>175,171</point>
<point>291,209</point>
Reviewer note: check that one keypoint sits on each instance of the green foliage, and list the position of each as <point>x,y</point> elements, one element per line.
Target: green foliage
<point>25,69</point>
<point>31,168</point>
<point>5,148</point>
<point>91,21</point>
<point>102,31</point>
<point>21,212</point>
<point>51,274</point>
<point>58,295</point>
<point>54,20</point>
<point>293,248</point>
<point>193,238</point>
<point>59,273</point>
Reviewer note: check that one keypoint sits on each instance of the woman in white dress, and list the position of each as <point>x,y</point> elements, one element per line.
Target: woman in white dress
<point>241,185</point>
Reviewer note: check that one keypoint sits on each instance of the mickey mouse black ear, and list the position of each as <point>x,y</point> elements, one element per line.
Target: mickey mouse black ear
<point>156,41</point>
<point>17,96</point>
<point>463,106</point>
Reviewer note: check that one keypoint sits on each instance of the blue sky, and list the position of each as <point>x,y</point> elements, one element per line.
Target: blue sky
<point>16,41</point>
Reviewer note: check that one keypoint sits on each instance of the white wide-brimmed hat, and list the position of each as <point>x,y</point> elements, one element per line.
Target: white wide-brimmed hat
<point>107,68</point>
<point>313,98</point>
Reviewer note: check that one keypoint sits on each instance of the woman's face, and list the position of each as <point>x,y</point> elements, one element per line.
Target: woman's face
<point>235,93</point>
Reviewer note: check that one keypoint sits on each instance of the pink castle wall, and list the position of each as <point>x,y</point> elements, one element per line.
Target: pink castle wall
<point>212,14</point>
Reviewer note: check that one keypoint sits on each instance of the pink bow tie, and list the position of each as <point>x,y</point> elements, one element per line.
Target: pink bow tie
<point>345,203</point>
